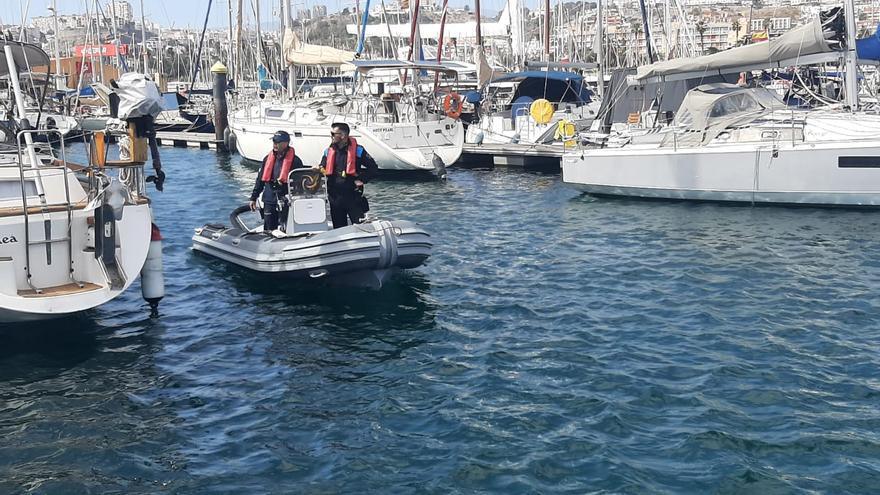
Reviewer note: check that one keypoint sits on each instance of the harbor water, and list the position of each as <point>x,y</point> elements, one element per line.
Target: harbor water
<point>554,343</point>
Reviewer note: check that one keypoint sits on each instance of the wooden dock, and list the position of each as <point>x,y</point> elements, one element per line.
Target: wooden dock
<point>202,140</point>
<point>507,155</point>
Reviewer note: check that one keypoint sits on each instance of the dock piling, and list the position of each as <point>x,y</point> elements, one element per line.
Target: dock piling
<point>220,108</point>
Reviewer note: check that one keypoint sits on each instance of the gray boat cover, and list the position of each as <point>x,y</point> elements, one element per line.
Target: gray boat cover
<point>799,42</point>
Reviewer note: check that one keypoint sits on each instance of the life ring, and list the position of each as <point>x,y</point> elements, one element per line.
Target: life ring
<point>452,105</point>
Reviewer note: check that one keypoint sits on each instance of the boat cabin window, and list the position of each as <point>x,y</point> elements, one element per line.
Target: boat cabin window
<point>274,112</point>
<point>11,189</point>
<point>735,103</point>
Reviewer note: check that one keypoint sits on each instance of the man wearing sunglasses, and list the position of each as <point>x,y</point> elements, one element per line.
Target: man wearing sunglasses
<point>347,166</point>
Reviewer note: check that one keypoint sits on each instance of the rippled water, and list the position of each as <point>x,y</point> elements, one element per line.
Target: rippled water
<point>555,343</point>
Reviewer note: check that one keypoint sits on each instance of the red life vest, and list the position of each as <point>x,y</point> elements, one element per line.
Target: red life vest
<point>286,165</point>
<point>350,162</point>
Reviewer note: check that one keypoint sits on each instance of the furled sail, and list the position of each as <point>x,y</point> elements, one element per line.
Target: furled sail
<point>801,45</point>
<point>299,53</point>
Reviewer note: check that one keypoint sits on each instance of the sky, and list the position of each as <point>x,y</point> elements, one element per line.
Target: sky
<point>191,13</point>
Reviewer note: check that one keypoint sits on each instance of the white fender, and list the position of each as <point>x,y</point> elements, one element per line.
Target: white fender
<point>152,278</point>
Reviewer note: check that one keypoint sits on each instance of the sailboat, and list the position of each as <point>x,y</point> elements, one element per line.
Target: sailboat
<point>72,237</point>
<point>729,143</point>
<point>387,111</point>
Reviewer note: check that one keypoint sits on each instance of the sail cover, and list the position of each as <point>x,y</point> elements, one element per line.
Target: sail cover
<point>789,49</point>
<point>299,53</point>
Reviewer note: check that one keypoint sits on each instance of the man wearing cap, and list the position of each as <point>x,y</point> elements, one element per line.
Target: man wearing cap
<point>273,173</point>
<point>347,166</point>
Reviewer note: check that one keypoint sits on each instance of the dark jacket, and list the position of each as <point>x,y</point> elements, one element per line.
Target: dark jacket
<point>338,185</point>
<point>269,193</point>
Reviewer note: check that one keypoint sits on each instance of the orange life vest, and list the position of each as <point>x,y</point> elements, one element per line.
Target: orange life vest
<point>286,165</point>
<point>350,162</point>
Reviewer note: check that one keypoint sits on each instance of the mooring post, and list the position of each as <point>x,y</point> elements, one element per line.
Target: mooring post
<point>220,108</point>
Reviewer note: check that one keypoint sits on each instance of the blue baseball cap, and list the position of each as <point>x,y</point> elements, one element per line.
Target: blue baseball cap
<point>280,137</point>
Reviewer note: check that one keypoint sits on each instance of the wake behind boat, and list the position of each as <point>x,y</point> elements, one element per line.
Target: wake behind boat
<point>364,254</point>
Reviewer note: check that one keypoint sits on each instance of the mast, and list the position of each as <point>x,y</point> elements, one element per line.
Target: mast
<point>99,41</point>
<point>647,31</point>
<point>144,40</point>
<point>291,75</point>
<point>600,52</point>
<point>363,33</point>
<point>546,30</point>
<point>229,52</point>
<point>479,17</point>
<point>57,50</point>
<point>852,68</point>
<point>237,71</point>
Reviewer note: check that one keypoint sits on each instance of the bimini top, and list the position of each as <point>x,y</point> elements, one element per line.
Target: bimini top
<point>26,57</point>
<point>709,109</point>
<point>552,85</point>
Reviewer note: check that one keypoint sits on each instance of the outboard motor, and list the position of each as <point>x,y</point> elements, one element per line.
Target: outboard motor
<point>309,210</point>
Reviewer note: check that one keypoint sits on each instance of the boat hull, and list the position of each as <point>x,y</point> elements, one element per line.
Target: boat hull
<point>824,174</point>
<point>363,255</point>
<point>394,147</point>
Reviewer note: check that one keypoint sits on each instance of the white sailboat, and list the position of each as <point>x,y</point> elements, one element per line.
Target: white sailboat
<point>742,144</point>
<point>399,129</point>
<point>70,240</point>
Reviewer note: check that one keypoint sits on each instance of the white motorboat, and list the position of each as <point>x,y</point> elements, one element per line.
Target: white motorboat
<point>306,247</point>
<point>401,131</point>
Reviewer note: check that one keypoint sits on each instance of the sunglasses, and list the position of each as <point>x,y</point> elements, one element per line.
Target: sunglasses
<point>337,133</point>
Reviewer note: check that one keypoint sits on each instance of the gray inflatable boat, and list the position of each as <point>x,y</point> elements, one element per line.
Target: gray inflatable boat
<point>307,247</point>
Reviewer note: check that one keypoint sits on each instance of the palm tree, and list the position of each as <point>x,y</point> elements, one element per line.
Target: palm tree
<point>736,26</point>
<point>701,28</point>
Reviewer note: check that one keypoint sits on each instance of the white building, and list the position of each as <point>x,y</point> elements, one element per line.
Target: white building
<point>124,11</point>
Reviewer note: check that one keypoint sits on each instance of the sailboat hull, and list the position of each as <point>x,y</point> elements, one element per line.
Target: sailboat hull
<point>824,174</point>
<point>393,146</point>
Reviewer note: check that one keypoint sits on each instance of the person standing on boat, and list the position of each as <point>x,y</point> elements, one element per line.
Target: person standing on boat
<point>347,166</point>
<point>272,181</point>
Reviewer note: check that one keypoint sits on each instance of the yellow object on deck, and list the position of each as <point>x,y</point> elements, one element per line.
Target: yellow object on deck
<point>541,111</point>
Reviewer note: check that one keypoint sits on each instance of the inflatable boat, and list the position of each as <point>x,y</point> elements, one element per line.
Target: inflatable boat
<point>307,247</point>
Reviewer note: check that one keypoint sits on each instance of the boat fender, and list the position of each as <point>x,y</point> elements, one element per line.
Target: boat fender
<point>439,167</point>
<point>152,278</point>
<point>229,140</point>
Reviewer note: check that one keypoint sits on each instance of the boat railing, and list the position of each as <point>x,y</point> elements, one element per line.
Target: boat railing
<point>44,206</point>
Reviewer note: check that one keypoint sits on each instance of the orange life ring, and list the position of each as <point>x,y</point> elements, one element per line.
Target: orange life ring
<point>452,105</point>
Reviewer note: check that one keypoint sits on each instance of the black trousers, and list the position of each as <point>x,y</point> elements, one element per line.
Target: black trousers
<point>345,207</point>
<point>272,218</point>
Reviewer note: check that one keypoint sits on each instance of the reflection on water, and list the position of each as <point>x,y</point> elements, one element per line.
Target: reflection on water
<point>554,342</point>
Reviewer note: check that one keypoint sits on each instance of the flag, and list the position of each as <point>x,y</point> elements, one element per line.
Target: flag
<point>760,36</point>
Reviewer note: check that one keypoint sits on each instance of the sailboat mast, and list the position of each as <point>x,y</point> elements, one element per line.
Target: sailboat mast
<point>852,68</point>
<point>546,30</point>
<point>600,50</point>
<point>479,18</point>
<point>288,30</point>
<point>57,50</point>
<point>647,30</point>
<point>144,40</point>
